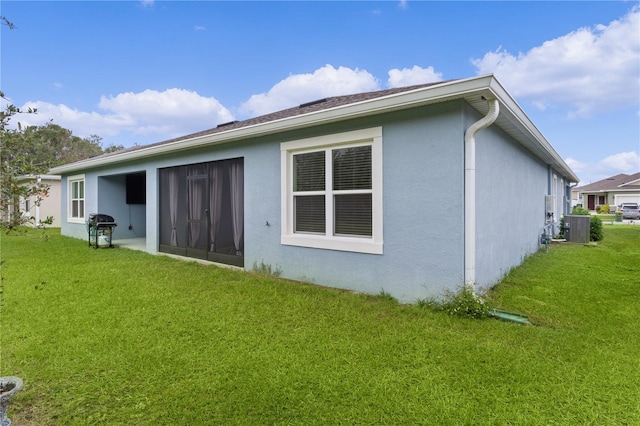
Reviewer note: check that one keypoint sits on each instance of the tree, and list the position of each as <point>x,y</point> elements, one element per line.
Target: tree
<point>32,152</point>
<point>13,164</point>
<point>54,145</point>
<point>16,162</point>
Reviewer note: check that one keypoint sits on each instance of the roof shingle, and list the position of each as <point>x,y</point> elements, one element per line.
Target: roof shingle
<point>305,108</point>
<point>613,183</point>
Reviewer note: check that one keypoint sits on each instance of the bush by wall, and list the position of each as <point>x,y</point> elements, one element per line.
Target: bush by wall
<point>595,226</point>
<point>595,229</point>
<point>578,210</point>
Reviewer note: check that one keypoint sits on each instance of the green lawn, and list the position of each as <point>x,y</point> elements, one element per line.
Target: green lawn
<point>119,337</point>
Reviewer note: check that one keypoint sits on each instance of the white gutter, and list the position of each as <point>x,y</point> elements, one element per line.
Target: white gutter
<point>470,192</point>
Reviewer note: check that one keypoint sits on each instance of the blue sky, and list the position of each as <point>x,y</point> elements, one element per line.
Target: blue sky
<point>145,71</point>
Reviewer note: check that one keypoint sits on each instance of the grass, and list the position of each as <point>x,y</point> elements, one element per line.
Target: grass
<point>120,337</point>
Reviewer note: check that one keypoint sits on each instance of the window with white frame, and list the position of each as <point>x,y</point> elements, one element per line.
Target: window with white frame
<point>332,191</point>
<point>75,211</point>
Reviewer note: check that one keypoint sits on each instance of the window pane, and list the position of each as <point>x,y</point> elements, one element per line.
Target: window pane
<point>74,208</point>
<point>353,214</point>
<point>309,171</point>
<point>309,214</point>
<point>81,190</point>
<point>352,168</point>
<point>81,208</point>
<point>74,190</point>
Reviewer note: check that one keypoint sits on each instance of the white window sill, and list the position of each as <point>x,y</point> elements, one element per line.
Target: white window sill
<point>357,245</point>
<point>76,220</point>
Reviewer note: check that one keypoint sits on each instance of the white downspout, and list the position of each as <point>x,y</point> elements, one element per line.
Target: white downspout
<point>470,192</point>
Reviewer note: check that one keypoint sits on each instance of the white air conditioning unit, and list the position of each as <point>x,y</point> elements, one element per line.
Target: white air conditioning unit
<point>549,205</point>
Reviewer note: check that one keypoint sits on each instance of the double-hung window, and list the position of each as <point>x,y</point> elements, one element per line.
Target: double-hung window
<point>75,212</point>
<point>332,191</point>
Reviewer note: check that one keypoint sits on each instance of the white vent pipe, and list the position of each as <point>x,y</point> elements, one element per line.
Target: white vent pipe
<point>470,192</point>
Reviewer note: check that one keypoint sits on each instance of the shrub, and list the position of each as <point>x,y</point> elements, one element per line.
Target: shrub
<point>383,295</point>
<point>465,304</point>
<point>577,210</point>
<point>265,269</point>
<point>603,209</point>
<point>595,229</point>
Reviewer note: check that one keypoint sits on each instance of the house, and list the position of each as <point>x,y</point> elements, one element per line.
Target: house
<point>48,206</point>
<point>612,191</point>
<point>414,190</point>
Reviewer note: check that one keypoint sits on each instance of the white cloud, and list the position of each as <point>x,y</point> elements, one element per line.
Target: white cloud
<point>589,69</point>
<point>81,123</point>
<point>411,76</point>
<point>623,162</point>
<point>167,114</point>
<point>576,166</point>
<point>199,28</point>
<point>300,88</point>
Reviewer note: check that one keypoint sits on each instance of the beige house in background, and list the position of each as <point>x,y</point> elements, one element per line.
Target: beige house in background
<point>49,206</point>
<point>613,191</point>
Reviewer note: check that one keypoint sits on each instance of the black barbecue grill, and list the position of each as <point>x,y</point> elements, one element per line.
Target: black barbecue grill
<point>100,229</point>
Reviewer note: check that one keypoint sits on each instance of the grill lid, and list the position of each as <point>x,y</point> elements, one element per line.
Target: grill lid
<point>99,218</point>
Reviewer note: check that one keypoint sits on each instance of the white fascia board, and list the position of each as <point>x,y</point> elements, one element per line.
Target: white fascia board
<point>633,182</point>
<point>634,190</point>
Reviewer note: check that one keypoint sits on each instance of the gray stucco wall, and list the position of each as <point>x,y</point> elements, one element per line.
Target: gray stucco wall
<point>423,199</point>
<point>511,185</point>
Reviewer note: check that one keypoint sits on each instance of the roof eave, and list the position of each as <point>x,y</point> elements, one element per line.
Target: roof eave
<point>475,87</point>
<point>404,100</point>
<point>530,135</point>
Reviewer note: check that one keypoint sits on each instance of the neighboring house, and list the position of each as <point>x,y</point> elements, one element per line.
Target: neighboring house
<point>401,190</point>
<point>48,206</point>
<point>613,191</point>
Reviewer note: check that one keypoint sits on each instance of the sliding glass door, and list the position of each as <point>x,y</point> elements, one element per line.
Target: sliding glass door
<point>202,211</point>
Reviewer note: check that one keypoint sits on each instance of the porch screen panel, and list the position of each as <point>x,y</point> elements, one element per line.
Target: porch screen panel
<point>236,183</point>
<point>197,205</point>
<point>173,184</point>
<point>216,181</point>
<point>201,211</point>
<point>172,200</point>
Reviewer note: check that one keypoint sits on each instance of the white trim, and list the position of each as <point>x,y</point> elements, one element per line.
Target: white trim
<point>633,182</point>
<point>373,244</point>
<point>70,181</point>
